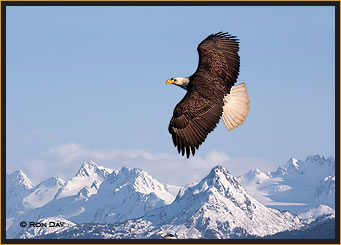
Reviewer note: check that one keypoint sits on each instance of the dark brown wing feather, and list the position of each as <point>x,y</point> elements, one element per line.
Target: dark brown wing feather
<point>193,119</point>
<point>198,113</point>
<point>219,59</point>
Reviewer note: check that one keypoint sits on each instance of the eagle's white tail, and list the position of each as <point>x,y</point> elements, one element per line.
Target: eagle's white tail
<point>236,107</point>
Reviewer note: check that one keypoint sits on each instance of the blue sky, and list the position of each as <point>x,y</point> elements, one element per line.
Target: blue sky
<point>86,81</point>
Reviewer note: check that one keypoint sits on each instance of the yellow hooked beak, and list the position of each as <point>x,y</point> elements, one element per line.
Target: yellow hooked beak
<point>169,81</point>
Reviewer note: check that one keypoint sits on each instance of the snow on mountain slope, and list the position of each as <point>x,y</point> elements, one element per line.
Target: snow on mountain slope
<point>22,195</point>
<point>312,214</point>
<point>65,207</point>
<point>325,191</point>
<point>173,189</point>
<point>88,175</point>
<point>65,201</point>
<point>254,179</point>
<point>217,207</point>
<point>134,205</point>
<point>43,193</point>
<point>18,186</point>
<point>18,179</point>
<point>125,194</point>
<point>295,186</point>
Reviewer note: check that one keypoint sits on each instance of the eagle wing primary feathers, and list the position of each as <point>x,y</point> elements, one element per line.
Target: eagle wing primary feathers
<point>199,112</point>
<point>193,119</point>
<point>218,58</point>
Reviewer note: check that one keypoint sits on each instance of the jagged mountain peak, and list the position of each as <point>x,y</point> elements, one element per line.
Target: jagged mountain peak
<point>320,211</point>
<point>293,163</point>
<point>316,158</point>
<point>295,185</point>
<point>20,178</point>
<point>43,193</point>
<point>321,160</point>
<point>138,180</point>
<point>218,188</point>
<point>131,173</point>
<point>219,178</point>
<point>216,207</point>
<point>85,169</point>
<point>88,173</point>
<point>88,168</point>
<point>295,166</point>
<point>18,186</point>
<point>256,173</point>
<point>124,194</point>
<point>52,181</point>
<point>125,175</point>
<point>219,173</point>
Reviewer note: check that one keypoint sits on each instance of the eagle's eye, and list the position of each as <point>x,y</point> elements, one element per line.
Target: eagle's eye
<point>174,80</point>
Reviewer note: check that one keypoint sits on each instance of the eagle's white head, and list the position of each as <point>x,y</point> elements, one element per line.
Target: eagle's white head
<point>180,81</point>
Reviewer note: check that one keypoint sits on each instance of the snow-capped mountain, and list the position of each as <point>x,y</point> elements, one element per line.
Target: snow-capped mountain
<point>319,224</point>
<point>89,175</point>
<point>129,203</point>
<point>43,193</point>
<point>321,212</point>
<point>217,207</point>
<point>18,186</point>
<point>316,230</point>
<point>22,195</point>
<point>124,194</point>
<point>325,191</point>
<point>18,179</point>
<point>296,185</point>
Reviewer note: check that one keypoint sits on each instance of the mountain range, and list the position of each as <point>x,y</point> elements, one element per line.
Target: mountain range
<point>295,186</point>
<point>129,203</point>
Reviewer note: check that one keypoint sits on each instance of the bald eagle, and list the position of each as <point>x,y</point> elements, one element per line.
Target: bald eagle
<point>211,94</point>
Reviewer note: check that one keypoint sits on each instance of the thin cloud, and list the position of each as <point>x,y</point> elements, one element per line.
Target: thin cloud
<point>64,161</point>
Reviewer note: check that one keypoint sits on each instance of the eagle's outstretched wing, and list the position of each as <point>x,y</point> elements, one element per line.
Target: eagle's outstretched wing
<point>198,113</point>
<point>219,59</point>
<point>193,119</point>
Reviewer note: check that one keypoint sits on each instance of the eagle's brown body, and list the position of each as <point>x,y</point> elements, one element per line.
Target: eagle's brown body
<point>198,113</point>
